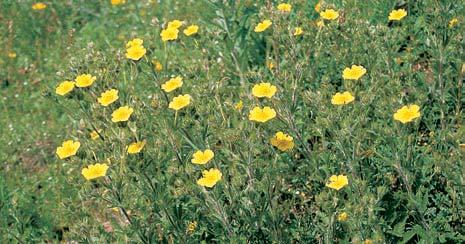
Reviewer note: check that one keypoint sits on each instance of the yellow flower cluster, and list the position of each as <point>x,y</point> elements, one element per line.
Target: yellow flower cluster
<point>170,33</point>
<point>209,177</point>
<point>82,81</point>
<point>69,148</point>
<point>281,140</point>
<point>134,51</point>
<point>266,113</point>
<point>263,92</point>
<point>331,14</point>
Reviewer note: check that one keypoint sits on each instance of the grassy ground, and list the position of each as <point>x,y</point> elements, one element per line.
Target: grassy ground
<point>406,181</point>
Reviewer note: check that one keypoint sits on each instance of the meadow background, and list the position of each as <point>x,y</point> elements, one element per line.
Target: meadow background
<point>406,181</point>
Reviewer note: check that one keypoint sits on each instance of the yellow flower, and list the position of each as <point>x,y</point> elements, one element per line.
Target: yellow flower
<point>85,80</point>
<point>122,114</point>
<point>407,113</point>
<point>397,14</point>
<point>368,241</point>
<point>68,149</point>
<point>342,98</point>
<point>11,54</point>
<point>200,157</point>
<point>453,22</point>
<point>134,42</point>
<point>136,147</point>
<point>209,178</point>
<point>342,217</point>
<point>284,7</point>
<point>191,227</point>
<point>270,65</point>
<point>318,7</point>
<point>320,23</point>
<point>180,102</point>
<point>94,135</point>
<point>39,6</point>
<point>239,105</point>
<point>172,84</point>
<point>329,14</point>
<point>191,30</point>
<point>95,171</point>
<point>108,97</point>
<point>157,65</point>
<point>282,141</point>
<point>117,2</point>
<point>264,90</point>
<point>64,88</point>
<point>337,182</point>
<point>262,115</point>
<point>354,73</point>
<point>169,34</point>
<point>135,52</point>
<point>298,31</point>
<point>175,24</point>
<point>263,26</point>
